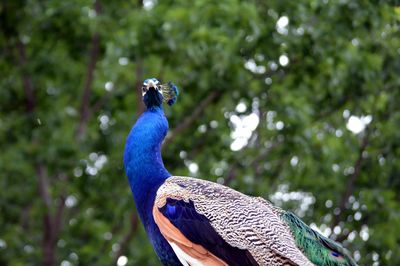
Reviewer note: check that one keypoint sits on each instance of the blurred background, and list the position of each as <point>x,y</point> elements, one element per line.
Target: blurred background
<point>294,101</point>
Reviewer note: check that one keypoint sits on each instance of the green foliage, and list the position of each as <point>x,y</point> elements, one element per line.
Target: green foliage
<point>293,83</point>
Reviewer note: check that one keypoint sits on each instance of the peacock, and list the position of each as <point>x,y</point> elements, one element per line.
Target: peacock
<point>195,222</point>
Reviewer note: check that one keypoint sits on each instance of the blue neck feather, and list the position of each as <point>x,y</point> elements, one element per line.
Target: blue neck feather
<point>146,173</point>
<point>142,158</point>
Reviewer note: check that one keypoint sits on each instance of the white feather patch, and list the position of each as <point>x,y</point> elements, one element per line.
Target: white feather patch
<point>183,257</point>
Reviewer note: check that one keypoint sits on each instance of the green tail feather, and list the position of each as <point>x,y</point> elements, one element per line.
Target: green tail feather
<point>318,249</point>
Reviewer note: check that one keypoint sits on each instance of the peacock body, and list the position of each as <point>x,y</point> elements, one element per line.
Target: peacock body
<point>196,222</point>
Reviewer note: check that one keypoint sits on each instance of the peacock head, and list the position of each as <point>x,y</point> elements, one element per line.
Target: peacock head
<point>154,93</point>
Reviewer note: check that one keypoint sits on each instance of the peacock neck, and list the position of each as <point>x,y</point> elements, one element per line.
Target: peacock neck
<point>143,161</point>
<point>146,172</point>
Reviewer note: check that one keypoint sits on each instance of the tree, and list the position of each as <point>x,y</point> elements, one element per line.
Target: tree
<point>293,101</point>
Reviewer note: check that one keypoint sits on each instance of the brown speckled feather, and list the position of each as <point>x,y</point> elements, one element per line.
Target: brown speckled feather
<point>242,221</point>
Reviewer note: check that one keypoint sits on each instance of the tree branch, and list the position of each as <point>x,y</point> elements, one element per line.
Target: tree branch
<point>231,174</point>
<point>114,230</point>
<point>58,216</point>
<point>254,164</point>
<point>125,241</point>
<point>51,225</point>
<point>25,217</point>
<point>49,237</point>
<point>100,103</point>
<point>352,179</point>
<point>188,121</point>
<point>333,108</point>
<point>43,186</point>
<point>84,112</point>
<point>26,79</point>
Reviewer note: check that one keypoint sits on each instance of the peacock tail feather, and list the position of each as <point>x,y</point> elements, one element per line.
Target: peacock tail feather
<point>318,249</point>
